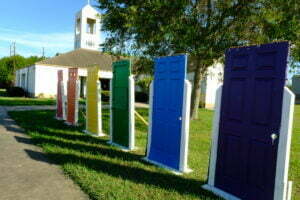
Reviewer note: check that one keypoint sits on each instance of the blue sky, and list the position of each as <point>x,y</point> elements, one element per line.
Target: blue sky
<point>34,24</point>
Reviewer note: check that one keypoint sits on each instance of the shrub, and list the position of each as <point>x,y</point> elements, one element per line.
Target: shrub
<point>16,92</point>
<point>105,95</point>
<point>141,97</point>
<point>144,84</point>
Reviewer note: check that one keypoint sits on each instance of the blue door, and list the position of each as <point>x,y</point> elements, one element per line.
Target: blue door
<point>251,110</point>
<point>169,77</point>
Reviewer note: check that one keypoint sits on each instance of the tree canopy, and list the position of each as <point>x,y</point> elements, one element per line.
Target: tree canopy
<point>8,66</point>
<point>202,28</point>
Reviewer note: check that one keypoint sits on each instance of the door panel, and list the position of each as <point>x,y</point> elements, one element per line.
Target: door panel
<point>92,100</point>
<point>251,109</point>
<point>73,77</point>
<point>168,91</point>
<point>120,103</point>
<point>59,111</point>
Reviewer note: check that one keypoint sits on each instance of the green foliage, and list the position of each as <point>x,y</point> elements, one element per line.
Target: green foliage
<point>8,66</point>
<point>159,28</point>
<point>18,101</point>
<point>143,66</point>
<point>144,84</point>
<point>203,29</point>
<point>278,20</point>
<point>105,95</point>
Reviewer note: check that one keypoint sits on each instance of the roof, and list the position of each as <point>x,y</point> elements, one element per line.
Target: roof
<point>82,58</point>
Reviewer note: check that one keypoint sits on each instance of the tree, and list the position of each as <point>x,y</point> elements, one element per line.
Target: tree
<point>280,20</point>
<point>203,29</point>
<point>8,65</point>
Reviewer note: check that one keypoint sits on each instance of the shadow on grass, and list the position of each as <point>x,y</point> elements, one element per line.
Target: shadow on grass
<point>55,133</point>
<point>83,148</point>
<point>137,175</point>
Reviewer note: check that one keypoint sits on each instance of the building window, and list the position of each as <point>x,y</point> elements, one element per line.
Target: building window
<point>90,43</point>
<point>23,79</point>
<point>90,26</point>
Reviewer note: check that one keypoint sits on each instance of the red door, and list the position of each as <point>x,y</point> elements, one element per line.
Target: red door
<point>59,111</point>
<point>71,96</point>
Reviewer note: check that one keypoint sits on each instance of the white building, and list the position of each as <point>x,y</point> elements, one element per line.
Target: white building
<point>87,29</point>
<point>296,87</point>
<point>209,85</point>
<point>40,79</point>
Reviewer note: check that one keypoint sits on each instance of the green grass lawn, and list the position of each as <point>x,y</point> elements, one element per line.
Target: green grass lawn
<point>104,172</point>
<point>21,101</point>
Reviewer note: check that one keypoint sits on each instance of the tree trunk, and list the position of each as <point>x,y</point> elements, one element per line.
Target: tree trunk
<point>196,93</point>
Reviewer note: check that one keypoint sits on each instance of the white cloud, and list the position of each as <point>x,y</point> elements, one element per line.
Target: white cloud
<point>34,42</point>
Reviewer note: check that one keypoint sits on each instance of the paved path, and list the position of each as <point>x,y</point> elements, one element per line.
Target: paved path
<point>25,172</point>
<point>24,108</point>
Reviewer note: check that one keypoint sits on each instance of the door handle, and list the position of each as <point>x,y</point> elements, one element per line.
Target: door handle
<point>179,118</point>
<point>274,136</point>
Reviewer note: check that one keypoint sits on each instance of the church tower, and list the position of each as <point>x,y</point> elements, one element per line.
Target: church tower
<point>87,28</point>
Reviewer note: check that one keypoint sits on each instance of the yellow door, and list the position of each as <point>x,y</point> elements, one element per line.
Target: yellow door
<point>93,103</point>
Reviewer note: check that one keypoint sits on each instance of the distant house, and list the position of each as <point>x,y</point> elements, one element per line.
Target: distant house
<point>296,86</point>
<point>40,79</point>
<point>209,85</point>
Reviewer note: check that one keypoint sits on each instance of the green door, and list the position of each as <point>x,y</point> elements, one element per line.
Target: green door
<point>120,103</point>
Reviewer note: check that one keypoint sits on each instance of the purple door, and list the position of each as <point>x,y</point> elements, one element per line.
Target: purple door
<point>251,106</point>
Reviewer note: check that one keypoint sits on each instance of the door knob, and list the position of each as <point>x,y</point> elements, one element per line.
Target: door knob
<point>274,136</point>
<point>180,118</point>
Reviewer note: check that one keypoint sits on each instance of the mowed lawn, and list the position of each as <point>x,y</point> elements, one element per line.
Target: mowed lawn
<point>104,172</point>
<point>23,101</point>
<point>20,101</point>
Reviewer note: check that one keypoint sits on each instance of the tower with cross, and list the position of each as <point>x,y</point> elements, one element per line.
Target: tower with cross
<point>87,28</point>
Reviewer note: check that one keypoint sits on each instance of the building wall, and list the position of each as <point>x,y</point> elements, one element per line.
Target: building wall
<point>46,80</point>
<point>25,78</point>
<point>209,84</point>
<point>296,84</point>
<point>82,38</point>
<point>213,79</point>
<point>42,79</point>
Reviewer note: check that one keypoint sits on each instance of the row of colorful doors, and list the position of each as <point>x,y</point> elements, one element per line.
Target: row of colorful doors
<point>250,136</point>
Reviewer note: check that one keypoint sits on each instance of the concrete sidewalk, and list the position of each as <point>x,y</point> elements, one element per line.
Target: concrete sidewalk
<point>25,172</point>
